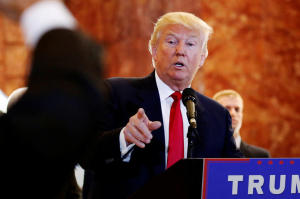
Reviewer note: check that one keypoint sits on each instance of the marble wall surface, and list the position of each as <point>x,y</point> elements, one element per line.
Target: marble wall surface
<point>255,49</point>
<point>14,56</point>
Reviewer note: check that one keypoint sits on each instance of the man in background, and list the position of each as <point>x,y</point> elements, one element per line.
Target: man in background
<point>233,102</point>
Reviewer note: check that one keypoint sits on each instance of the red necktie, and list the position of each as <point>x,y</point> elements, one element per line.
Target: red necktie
<point>176,148</point>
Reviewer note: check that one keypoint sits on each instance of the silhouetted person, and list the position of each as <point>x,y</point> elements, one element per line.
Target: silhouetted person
<point>47,131</point>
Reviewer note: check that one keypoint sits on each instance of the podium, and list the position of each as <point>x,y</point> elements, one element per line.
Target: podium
<point>214,178</point>
<point>182,180</point>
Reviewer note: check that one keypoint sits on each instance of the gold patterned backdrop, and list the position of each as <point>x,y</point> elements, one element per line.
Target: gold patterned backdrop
<point>255,49</point>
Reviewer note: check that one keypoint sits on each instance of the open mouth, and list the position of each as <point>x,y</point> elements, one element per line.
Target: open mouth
<point>178,64</point>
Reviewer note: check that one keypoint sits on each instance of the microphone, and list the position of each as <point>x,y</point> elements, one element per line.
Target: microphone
<point>189,100</point>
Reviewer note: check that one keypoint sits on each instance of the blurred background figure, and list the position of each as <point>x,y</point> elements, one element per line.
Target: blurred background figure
<point>73,190</point>
<point>3,101</point>
<point>49,126</point>
<point>233,102</point>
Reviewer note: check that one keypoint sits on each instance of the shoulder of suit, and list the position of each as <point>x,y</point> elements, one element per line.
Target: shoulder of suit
<point>210,104</point>
<point>256,149</point>
<point>135,82</point>
<point>117,80</point>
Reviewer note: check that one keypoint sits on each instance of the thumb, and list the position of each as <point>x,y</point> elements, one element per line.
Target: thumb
<point>154,125</point>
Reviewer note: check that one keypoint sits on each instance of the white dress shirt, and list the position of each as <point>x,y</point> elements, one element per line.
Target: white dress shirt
<point>238,141</point>
<point>166,101</point>
<point>3,101</point>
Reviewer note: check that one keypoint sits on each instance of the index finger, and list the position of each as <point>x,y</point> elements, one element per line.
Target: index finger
<point>141,115</point>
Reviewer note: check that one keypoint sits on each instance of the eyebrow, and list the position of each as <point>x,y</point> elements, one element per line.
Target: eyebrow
<point>171,33</point>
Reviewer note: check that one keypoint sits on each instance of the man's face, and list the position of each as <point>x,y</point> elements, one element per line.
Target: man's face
<point>178,55</point>
<point>235,107</point>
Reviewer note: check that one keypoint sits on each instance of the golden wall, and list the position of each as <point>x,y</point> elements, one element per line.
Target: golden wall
<point>255,49</point>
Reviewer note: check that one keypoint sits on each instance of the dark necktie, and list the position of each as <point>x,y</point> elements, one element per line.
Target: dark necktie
<point>176,147</point>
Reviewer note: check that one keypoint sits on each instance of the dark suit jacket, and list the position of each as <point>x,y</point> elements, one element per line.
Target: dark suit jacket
<point>251,151</point>
<point>44,135</point>
<point>119,179</point>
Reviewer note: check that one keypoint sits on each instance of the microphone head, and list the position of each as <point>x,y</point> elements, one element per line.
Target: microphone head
<point>188,94</point>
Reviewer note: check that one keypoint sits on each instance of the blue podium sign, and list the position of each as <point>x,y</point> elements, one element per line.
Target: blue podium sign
<point>251,178</point>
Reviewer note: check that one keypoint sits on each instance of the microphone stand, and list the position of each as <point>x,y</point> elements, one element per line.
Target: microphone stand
<point>192,137</point>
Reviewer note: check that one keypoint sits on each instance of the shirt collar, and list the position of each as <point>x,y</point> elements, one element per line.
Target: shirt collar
<point>163,89</point>
<point>238,141</point>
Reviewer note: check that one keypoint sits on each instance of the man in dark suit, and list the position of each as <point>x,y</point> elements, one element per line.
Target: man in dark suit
<point>144,117</point>
<point>233,101</point>
<point>46,133</point>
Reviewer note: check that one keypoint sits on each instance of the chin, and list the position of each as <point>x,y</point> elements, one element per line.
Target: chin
<point>179,76</point>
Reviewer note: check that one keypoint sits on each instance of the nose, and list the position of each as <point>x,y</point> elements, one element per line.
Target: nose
<point>180,49</point>
<point>232,112</point>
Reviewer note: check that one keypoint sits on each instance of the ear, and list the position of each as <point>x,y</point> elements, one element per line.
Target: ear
<point>202,60</point>
<point>154,52</point>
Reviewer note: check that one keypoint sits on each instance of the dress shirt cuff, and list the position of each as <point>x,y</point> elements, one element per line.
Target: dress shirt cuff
<point>42,17</point>
<point>124,148</point>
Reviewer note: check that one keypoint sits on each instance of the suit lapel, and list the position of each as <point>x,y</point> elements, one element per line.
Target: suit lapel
<point>150,101</point>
